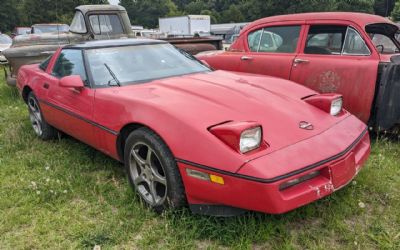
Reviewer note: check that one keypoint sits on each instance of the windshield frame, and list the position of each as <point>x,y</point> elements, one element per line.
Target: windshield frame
<point>139,82</point>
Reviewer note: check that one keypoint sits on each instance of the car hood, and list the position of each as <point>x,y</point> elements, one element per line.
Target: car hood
<point>4,46</point>
<point>61,38</point>
<point>207,99</point>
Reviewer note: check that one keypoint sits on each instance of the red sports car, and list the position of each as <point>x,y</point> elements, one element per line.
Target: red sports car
<point>222,142</point>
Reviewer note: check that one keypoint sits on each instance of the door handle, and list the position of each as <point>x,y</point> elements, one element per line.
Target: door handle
<point>246,58</point>
<point>299,60</point>
<point>46,85</point>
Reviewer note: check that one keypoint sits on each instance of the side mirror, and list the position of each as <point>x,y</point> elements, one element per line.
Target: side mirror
<point>73,81</point>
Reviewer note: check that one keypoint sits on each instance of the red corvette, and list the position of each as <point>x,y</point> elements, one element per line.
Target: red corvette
<point>222,142</point>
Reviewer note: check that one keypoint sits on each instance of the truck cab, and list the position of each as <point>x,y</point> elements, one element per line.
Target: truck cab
<point>98,22</point>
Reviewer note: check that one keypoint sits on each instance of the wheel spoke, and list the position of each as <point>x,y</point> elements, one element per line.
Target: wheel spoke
<point>158,178</point>
<point>153,193</point>
<point>148,156</point>
<point>139,179</point>
<point>138,159</point>
<point>33,107</point>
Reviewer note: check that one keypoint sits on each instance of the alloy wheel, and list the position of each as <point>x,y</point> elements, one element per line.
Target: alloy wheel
<point>35,116</point>
<point>148,174</point>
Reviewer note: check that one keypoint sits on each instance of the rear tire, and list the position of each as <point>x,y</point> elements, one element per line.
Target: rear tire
<point>152,171</point>
<point>42,129</point>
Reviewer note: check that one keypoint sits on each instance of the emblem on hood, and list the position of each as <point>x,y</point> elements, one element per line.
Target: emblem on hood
<point>306,125</point>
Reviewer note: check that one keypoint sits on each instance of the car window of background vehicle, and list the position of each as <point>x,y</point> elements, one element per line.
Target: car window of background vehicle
<point>325,39</point>
<point>384,44</point>
<point>70,62</point>
<point>354,44</point>
<point>78,23</point>
<point>334,40</point>
<point>106,24</point>
<point>282,39</point>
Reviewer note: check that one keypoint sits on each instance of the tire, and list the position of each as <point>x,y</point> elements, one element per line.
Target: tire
<point>42,129</point>
<point>152,171</point>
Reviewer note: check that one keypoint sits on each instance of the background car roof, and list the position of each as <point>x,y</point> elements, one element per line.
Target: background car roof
<point>103,7</point>
<point>113,43</point>
<point>362,19</point>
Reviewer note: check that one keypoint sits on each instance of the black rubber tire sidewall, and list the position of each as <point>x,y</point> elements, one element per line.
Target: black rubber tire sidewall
<point>175,190</point>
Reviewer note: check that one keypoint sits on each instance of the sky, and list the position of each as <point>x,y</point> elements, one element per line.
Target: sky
<point>115,2</point>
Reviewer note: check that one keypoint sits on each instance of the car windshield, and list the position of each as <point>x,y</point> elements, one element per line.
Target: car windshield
<point>140,63</point>
<point>4,39</point>
<point>23,31</point>
<point>50,28</point>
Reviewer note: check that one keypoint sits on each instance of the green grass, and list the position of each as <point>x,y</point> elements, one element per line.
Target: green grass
<point>64,194</point>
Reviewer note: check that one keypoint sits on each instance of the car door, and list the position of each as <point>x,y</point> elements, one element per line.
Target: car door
<point>336,58</point>
<point>271,49</point>
<point>72,109</point>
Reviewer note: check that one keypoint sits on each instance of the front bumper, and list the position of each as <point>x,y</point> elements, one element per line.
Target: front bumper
<point>3,59</point>
<point>267,195</point>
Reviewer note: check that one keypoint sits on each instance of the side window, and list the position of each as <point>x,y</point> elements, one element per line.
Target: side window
<point>354,44</point>
<point>325,39</point>
<point>78,23</point>
<point>106,24</point>
<point>70,62</point>
<point>280,39</point>
<point>45,63</point>
<point>334,40</point>
<point>254,40</point>
<point>384,44</point>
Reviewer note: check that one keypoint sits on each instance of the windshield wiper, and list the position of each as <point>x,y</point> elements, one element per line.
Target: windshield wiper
<point>113,76</point>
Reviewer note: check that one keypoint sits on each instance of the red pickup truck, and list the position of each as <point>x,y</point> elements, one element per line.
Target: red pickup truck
<point>353,54</point>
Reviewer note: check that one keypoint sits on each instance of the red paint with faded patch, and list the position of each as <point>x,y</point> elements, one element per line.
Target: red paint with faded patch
<point>352,76</point>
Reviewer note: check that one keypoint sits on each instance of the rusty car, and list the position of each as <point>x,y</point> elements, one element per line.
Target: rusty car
<point>353,54</point>
<point>91,22</point>
<point>5,43</point>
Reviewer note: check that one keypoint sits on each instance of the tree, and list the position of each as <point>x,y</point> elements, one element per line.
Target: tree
<point>232,15</point>
<point>147,12</point>
<point>396,12</point>
<point>366,6</point>
<point>48,11</point>
<point>384,7</point>
<point>195,7</point>
<point>8,15</point>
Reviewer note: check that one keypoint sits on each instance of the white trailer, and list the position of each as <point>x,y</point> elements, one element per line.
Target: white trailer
<point>185,25</point>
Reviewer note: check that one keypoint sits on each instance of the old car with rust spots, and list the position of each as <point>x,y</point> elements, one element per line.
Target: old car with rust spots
<point>5,43</point>
<point>353,54</point>
<point>91,22</point>
<point>219,141</point>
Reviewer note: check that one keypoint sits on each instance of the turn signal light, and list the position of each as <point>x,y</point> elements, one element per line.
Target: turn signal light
<point>205,176</point>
